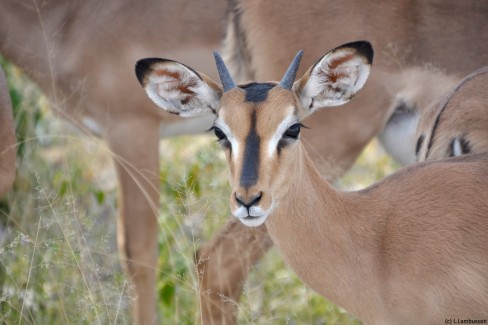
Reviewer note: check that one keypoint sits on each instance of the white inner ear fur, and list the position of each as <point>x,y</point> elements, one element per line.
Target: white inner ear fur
<point>177,89</point>
<point>334,80</point>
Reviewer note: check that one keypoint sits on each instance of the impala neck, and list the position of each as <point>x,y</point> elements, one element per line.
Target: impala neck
<point>326,240</point>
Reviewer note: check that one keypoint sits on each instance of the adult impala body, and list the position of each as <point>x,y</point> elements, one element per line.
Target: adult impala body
<point>413,246</point>
<point>7,138</point>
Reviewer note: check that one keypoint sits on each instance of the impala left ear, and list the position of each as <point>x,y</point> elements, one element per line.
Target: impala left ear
<point>336,77</point>
<point>177,88</point>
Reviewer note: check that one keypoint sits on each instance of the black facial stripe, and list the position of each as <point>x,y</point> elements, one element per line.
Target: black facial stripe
<point>257,92</point>
<point>250,165</point>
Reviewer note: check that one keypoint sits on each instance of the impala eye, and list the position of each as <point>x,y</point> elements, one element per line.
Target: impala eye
<point>291,134</point>
<point>293,131</point>
<point>221,137</point>
<point>219,134</point>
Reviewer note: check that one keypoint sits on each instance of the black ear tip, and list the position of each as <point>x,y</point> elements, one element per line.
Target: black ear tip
<point>364,48</point>
<point>144,66</point>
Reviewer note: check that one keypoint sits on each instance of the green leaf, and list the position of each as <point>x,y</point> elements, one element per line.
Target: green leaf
<point>100,196</point>
<point>167,293</point>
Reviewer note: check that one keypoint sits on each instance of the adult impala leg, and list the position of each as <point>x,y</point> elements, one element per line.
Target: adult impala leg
<point>137,163</point>
<point>223,265</point>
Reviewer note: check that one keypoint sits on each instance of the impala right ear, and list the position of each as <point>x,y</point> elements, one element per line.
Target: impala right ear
<point>177,88</point>
<point>336,77</point>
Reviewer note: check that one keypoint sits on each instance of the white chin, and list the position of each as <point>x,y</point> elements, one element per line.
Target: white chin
<point>253,221</point>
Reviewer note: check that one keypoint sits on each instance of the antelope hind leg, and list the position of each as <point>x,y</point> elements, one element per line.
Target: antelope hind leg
<point>134,143</point>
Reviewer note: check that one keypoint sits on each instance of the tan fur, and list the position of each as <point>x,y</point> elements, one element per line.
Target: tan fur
<point>420,88</point>
<point>461,113</point>
<point>89,74</point>
<point>407,35</point>
<point>408,250</point>
<point>283,104</point>
<point>7,138</point>
<point>249,118</point>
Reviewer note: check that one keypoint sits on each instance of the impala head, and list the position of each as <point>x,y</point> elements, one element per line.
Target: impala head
<point>258,124</point>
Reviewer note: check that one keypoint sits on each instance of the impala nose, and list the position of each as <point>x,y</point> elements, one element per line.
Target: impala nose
<point>248,201</point>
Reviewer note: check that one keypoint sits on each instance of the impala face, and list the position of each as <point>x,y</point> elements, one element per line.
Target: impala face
<point>258,124</point>
<point>258,137</point>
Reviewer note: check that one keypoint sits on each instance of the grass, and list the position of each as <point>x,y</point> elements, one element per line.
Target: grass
<point>58,258</point>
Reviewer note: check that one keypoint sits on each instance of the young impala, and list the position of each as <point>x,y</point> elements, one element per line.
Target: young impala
<point>423,47</point>
<point>408,250</point>
<point>458,123</point>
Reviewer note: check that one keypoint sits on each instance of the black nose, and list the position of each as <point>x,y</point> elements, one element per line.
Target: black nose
<point>248,202</point>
